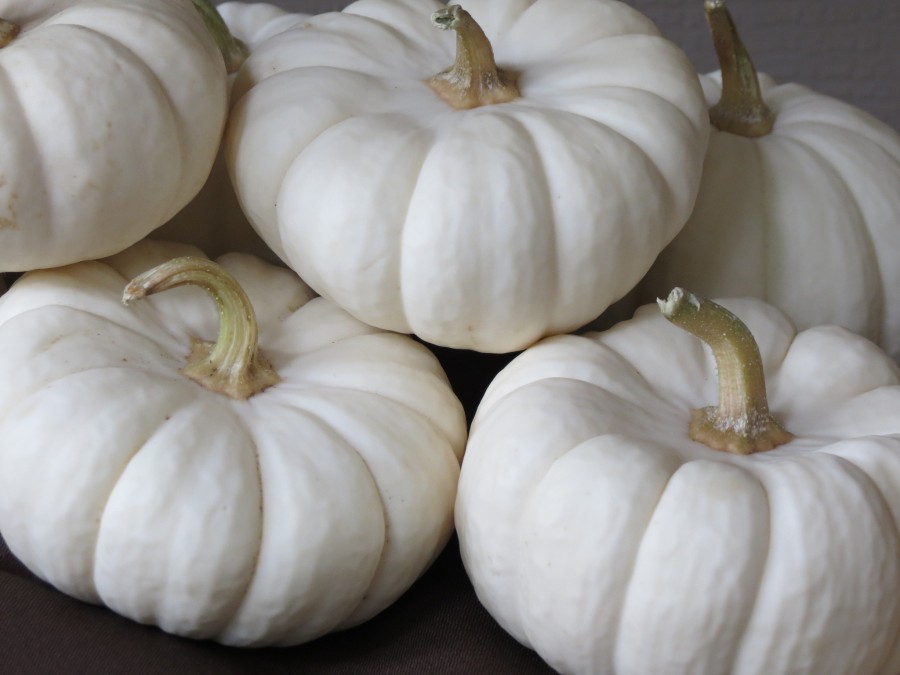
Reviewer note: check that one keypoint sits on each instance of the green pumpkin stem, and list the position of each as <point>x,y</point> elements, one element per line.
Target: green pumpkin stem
<point>741,109</point>
<point>233,364</point>
<point>741,423</point>
<point>474,79</point>
<point>234,51</point>
<point>8,32</point>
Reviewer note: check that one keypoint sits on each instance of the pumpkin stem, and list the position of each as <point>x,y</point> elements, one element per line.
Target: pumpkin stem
<point>474,79</point>
<point>741,109</point>
<point>741,423</point>
<point>8,32</point>
<point>233,364</point>
<point>234,51</point>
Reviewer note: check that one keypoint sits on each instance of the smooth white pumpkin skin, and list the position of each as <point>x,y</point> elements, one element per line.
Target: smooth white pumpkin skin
<point>213,220</point>
<point>482,229</point>
<point>112,113</point>
<point>804,218</point>
<point>305,509</point>
<point>599,535</point>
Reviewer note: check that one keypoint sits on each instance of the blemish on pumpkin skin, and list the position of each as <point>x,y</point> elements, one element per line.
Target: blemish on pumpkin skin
<point>49,345</point>
<point>10,222</point>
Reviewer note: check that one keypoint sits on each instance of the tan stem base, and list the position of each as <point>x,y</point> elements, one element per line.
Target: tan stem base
<point>202,369</point>
<point>499,87</point>
<point>738,436</point>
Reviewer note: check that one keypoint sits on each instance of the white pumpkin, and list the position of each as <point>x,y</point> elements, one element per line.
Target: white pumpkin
<point>307,507</point>
<point>213,220</point>
<point>255,22</point>
<point>805,216</point>
<point>112,113</point>
<point>476,223</point>
<point>597,532</point>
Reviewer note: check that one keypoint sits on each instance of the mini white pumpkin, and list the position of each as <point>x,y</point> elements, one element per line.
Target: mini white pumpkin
<point>799,204</point>
<point>477,207</point>
<point>112,113</point>
<point>305,500</point>
<point>598,532</point>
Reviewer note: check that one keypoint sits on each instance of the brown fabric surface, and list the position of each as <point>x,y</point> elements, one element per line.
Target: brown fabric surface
<point>438,626</point>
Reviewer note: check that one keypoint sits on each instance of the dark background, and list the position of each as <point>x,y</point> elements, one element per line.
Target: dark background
<point>844,49</point>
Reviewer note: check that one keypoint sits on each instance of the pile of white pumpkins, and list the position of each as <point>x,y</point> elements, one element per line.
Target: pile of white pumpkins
<point>706,487</point>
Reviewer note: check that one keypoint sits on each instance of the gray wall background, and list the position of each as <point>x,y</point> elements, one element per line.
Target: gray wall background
<point>844,48</point>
